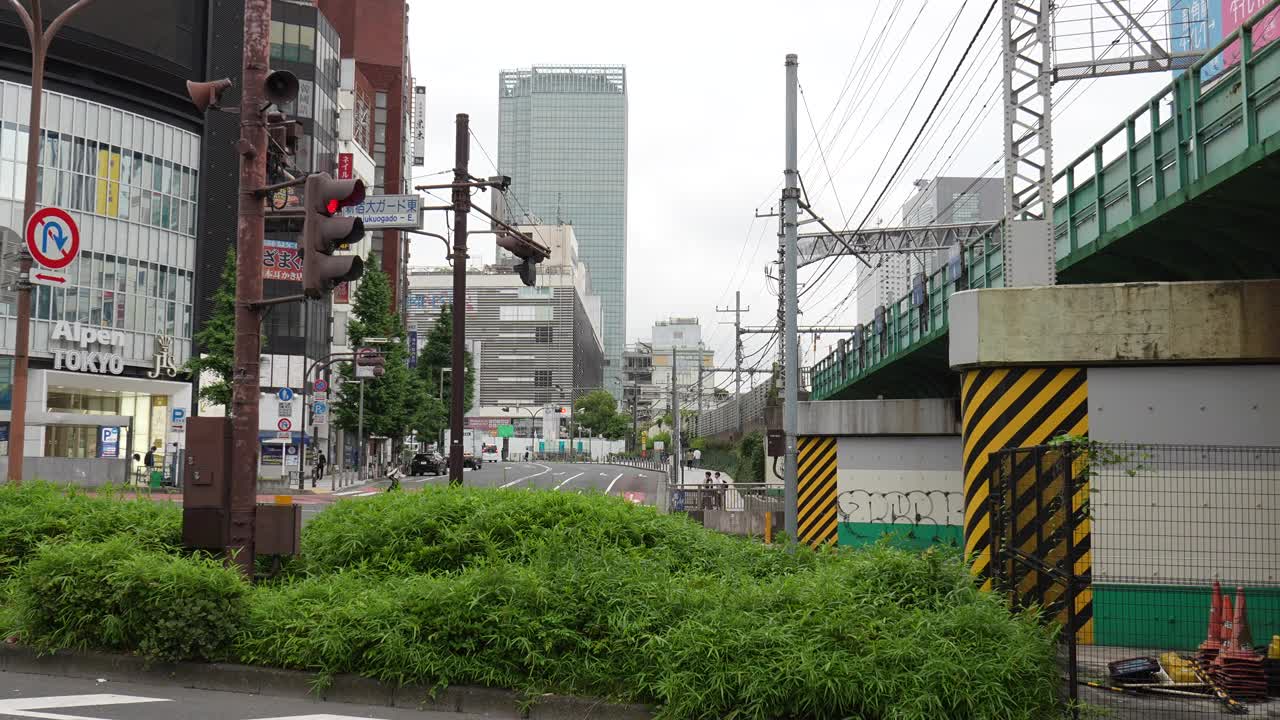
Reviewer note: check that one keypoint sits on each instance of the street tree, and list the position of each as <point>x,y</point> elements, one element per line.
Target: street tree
<point>437,356</point>
<point>216,341</point>
<point>388,399</point>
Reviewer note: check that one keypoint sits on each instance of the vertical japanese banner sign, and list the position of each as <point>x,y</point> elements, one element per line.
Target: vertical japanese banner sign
<point>346,163</point>
<point>342,293</point>
<point>419,125</point>
<point>413,348</point>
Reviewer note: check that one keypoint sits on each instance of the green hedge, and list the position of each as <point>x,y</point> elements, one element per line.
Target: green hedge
<point>557,592</point>
<point>115,596</point>
<point>36,512</point>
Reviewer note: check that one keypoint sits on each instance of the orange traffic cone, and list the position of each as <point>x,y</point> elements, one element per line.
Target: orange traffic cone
<point>1213,642</point>
<point>1238,669</point>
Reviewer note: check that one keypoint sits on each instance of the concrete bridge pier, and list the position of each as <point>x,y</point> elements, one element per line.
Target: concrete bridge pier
<point>868,468</point>
<point>1194,363</point>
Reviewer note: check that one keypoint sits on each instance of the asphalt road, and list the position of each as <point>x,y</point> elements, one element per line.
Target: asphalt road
<point>43,696</point>
<point>639,486</point>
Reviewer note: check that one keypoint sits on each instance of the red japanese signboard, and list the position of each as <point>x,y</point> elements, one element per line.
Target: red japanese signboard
<point>346,163</point>
<point>281,261</point>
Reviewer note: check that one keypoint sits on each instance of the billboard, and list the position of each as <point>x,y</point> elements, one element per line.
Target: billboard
<point>281,260</point>
<point>435,299</point>
<point>1198,25</point>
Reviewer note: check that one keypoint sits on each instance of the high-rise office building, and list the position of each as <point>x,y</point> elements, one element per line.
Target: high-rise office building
<point>562,138</point>
<point>940,201</point>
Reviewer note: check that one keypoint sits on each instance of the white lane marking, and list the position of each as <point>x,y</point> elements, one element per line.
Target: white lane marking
<point>604,474</point>
<point>566,480</point>
<point>315,717</point>
<point>545,469</point>
<point>559,473</point>
<point>25,707</point>
<point>611,483</point>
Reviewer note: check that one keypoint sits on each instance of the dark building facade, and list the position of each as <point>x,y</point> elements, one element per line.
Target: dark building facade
<point>375,33</point>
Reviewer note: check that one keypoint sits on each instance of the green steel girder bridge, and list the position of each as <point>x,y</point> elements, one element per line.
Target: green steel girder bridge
<point>1187,187</point>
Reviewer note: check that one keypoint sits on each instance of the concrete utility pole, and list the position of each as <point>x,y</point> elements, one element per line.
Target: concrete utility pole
<point>677,474</point>
<point>249,231</point>
<point>737,352</point>
<point>791,375</point>
<point>461,207</point>
<point>40,38</point>
<point>360,438</point>
<point>697,427</point>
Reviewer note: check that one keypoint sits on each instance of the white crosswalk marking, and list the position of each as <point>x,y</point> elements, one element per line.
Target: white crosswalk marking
<point>27,707</point>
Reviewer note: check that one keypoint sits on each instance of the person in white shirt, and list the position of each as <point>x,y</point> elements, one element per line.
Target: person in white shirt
<point>697,458</point>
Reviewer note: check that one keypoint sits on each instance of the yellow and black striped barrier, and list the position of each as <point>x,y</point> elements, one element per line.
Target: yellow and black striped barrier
<point>816,520</point>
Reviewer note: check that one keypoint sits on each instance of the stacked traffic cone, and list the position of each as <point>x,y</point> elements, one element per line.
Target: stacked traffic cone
<point>1212,645</point>
<point>1238,669</point>
<point>1272,667</point>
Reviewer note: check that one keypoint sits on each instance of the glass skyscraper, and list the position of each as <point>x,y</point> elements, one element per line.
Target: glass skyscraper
<point>562,138</point>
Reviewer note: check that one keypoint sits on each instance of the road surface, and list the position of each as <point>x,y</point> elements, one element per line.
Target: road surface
<point>639,486</point>
<point>43,696</point>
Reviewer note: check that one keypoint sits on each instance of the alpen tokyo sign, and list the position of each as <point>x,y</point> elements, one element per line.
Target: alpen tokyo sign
<point>85,360</point>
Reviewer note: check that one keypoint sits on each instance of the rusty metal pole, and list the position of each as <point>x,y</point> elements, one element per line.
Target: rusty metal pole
<point>249,229</point>
<point>461,206</point>
<point>40,38</point>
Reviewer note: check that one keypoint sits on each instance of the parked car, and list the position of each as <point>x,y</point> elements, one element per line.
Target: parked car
<point>489,453</point>
<point>426,464</point>
<point>469,460</point>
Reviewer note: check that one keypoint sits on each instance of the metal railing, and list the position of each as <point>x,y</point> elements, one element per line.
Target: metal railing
<point>734,497</point>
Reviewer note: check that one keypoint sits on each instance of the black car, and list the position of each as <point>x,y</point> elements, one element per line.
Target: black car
<point>426,464</point>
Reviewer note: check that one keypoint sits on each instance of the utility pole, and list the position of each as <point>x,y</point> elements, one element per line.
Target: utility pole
<point>360,438</point>
<point>249,230</point>
<point>461,208</point>
<point>677,474</point>
<point>791,375</point>
<point>737,352</point>
<point>40,39</point>
<point>698,420</point>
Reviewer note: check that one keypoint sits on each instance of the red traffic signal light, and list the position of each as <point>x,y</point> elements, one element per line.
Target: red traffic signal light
<point>370,363</point>
<point>323,231</point>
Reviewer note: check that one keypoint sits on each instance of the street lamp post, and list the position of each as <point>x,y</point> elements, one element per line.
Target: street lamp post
<point>40,38</point>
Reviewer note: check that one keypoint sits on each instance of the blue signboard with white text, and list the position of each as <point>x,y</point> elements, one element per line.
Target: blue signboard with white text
<point>109,443</point>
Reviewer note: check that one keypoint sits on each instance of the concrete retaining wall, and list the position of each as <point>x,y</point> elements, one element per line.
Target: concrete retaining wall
<point>81,472</point>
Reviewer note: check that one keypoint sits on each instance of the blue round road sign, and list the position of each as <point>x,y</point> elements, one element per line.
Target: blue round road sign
<point>285,394</point>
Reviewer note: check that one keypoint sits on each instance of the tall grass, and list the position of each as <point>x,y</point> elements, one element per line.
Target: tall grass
<point>579,594</point>
<point>36,512</point>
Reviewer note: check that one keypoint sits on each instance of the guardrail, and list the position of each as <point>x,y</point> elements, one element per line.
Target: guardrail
<point>736,497</point>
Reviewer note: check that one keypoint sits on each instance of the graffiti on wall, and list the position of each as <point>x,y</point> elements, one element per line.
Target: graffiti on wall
<point>922,515</point>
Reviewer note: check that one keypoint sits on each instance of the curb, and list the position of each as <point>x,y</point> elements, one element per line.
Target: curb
<point>345,688</point>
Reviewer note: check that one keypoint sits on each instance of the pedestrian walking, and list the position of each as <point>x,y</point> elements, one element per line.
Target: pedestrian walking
<point>318,473</point>
<point>697,457</point>
<point>708,493</point>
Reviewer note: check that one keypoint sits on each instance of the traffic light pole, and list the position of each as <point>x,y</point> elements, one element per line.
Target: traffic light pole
<point>249,230</point>
<point>461,208</point>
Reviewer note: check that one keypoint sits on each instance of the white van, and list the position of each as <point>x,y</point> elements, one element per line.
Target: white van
<point>489,453</point>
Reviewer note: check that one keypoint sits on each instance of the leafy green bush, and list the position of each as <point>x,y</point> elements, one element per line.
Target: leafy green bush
<point>114,596</point>
<point>33,513</point>
<point>750,459</point>
<point>880,633</point>
<point>443,530</point>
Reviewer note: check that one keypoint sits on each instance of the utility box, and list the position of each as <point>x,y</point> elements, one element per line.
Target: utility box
<point>777,443</point>
<point>278,530</point>
<point>206,496</point>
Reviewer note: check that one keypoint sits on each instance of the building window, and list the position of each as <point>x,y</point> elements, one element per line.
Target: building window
<point>525,313</point>
<point>542,378</point>
<point>543,334</point>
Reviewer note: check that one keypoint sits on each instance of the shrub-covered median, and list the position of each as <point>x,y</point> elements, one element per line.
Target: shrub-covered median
<point>541,592</point>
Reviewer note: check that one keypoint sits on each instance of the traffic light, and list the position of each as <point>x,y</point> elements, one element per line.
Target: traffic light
<point>528,250</point>
<point>370,363</point>
<point>323,232</point>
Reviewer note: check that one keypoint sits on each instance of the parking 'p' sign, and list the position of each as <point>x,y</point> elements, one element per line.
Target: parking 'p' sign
<point>54,241</point>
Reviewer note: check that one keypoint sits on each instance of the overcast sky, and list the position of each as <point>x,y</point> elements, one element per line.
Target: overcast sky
<point>705,95</point>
